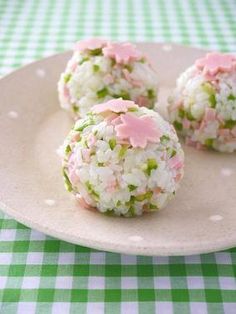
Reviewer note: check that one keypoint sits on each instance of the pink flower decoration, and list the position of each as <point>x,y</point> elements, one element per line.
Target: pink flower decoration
<point>90,44</point>
<point>122,53</point>
<point>139,130</point>
<point>215,62</point>
<point>114,105</point>
<point>176,162</point>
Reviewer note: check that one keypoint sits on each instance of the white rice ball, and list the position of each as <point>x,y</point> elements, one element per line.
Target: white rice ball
<point>122,159</point>
<point>203,105</point>
<point>100,70</point>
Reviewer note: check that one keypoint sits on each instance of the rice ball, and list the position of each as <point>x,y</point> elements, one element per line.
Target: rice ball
<point>122,159</point>
<point>203,105</point>
<point>100,70</point>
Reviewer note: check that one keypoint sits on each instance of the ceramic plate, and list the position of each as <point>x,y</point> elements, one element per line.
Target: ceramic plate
<point>200,219</point>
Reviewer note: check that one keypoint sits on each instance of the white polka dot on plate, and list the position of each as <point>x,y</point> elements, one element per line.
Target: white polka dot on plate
<point>40,73</point>
<point>226,172</point>
<point>50,202</point>
<point>13,114</point>
<point>135,238</point>
<point>167,47</point>
<point>215,217</point>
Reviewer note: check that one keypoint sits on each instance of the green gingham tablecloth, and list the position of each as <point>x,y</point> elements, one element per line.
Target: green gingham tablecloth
<point>39,274</point>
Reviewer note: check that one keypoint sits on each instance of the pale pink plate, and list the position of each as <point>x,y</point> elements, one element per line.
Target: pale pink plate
<point>202,217</point>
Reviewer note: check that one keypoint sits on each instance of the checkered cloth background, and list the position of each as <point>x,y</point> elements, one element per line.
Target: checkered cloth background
<point>39,274</point>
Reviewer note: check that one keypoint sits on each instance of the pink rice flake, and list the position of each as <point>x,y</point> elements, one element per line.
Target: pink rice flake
<point>186,123</point>
<point>138,130</point>
<point>86,154</point>
<point>215,62</point>
<point>131,80</point>
<point>66,93</point>
<point>142,101</point>
<point>115,105</point>
<point>176,162</point>
<point>111,186</point>
<point>84,204</point>
<point>224,132</point>
<point>210,114</point>
<point>90,44</point>
<point>91,140</point>
<point>233,131</point>
<point>108,79</point>
<point>158,190</point>
<point>178,177</point>
<point>122,52</point>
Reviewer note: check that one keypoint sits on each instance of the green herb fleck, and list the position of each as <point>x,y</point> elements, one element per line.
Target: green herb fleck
<point>91,190</point>
<point>122,151</point>
<point>96,68</point>
<point>212,100</point>
<point>181,113</point>
<point>67,77</point>
<point>67,182</point>
<point>209,142</point>
<point>178,125</point>
<point>128,67</point>
<point>102,93</point>
<point>84,60</point>
<point>96,52</point>
<point>189,116</point>
<point>132,187</point>
<point>75,108</point>
<point>68,149</point>
<point>152,207</point>
<point>145,196</point>
<point>83,123</point>
<point>151,94</point>
<point>151,165</point>
<point>100,164</point>
<point>112,143</point>
<point>229,124</point>
<point>231,97</point>
<point>165,138</point>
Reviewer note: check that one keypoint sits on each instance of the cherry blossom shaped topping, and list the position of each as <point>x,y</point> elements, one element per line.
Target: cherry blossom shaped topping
<point>215,62</point>
<point>139,130</point>
<point>90,44</point>
<point>122,52</point>
<point>114,105</point>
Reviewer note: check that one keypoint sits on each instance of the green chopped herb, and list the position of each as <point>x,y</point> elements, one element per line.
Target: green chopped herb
<point>102,93</point>
<point>229,124</point>
<point>178,125</point>
<point>118,203</point>
<point>68,149</point>
<point>153,207</point>
<point>231,97</point>
<point>212,100</point>
<point>91,190</point>
<point>75,108</point>
<point>181,113</point>
<point>128,67</point>
<point>151,165</point>
<point>132,211</point>
<point>189,116</point>
<point>133,109</point>
<point>67,77</point>
<point>209,142</point>
<point>67,182</point>
<point>208,88</point>
<point>83,123</point>
<point>145,196</point>
<point>112,143</point>
<point>84,60</point>
<point>164,138</point>
<point>100,164</point>
<point>122,151</point>
<point>96,68</point>
<point>132,187</point>
<point>123,94</point>
<point>171,152</point>
<point>151,94</point>
<point>96,52</point>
